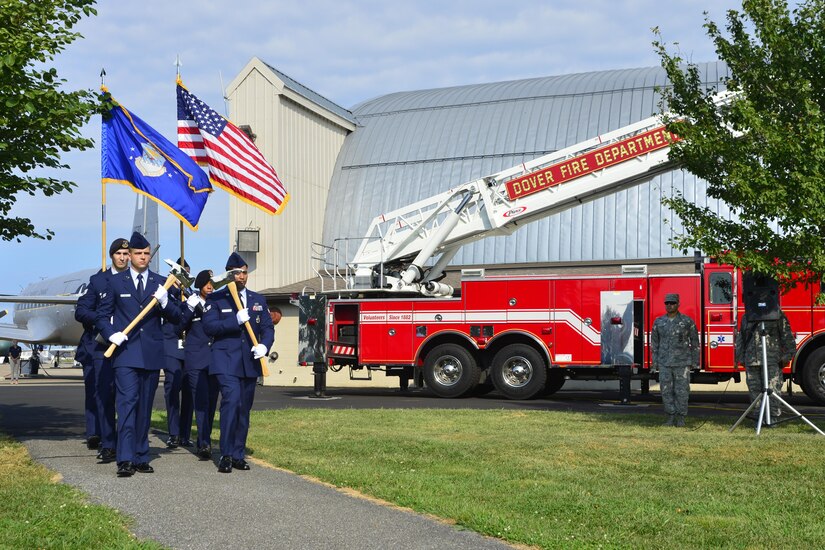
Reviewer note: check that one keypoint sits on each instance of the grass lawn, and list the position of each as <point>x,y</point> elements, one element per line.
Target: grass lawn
<point>553,479</point>
<point>38,512</point>
<point>544,479</point>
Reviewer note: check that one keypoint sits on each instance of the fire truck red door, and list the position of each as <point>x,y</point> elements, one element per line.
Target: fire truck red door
<point>566,322</point>
<point>372,332</point>
<point>719,321</point>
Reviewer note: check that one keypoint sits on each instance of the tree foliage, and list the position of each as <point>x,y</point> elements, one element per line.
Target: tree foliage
<point>763,154</point>
<point>39,119</point>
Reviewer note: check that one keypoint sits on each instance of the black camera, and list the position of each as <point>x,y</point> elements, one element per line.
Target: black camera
<point>761,295</point>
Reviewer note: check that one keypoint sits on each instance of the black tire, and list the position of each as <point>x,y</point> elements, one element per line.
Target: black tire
<point>555,381</point>
<point>451,371</point>
<point>813,376</point>
<point>518,371</point>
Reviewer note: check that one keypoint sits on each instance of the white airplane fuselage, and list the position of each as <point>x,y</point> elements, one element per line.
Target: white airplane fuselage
<point>52,323</point>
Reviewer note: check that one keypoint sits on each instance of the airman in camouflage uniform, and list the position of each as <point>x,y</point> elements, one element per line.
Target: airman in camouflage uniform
<point>780,346</point>
<point>674,347</point>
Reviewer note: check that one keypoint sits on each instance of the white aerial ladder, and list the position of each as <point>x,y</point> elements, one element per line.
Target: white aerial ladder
<point>398,244</point>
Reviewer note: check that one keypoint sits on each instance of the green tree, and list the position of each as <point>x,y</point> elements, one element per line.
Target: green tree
<point>39,120</point>
<point>763,154</point>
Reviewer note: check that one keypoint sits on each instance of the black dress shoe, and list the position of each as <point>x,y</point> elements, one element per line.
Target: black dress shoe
<point>93,442</point>
<point>173,442</point>
<point>144,468</point>
<point>105,456</point>
<point>225,465</point>
<point>186,443</point>
<point>125,469</point>
<point>240,464</point>
<point>205,452</point>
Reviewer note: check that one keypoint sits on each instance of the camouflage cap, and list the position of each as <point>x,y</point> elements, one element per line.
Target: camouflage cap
<point>672,298</point>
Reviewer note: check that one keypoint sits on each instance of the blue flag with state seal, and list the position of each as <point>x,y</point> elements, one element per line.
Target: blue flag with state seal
<point>134,153</point>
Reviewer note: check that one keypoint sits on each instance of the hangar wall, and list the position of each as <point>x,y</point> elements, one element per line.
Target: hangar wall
<point>301,134</point>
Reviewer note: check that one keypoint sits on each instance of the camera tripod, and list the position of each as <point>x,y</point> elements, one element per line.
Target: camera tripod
<point>767,393</point>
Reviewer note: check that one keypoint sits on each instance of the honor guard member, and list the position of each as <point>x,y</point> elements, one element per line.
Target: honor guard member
<point>780,346</point>
<point>173,376</point>
<point>98,375</point>
<point>674,345</point>
<point>235,362</point>
<point>139,356</point>
<point>202,386</point>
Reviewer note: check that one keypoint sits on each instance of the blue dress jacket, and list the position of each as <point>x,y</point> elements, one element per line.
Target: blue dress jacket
<point>231,346</point>
<point>144,347</point>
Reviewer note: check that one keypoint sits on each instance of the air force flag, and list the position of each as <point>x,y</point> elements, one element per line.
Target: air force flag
<point>135,154</point>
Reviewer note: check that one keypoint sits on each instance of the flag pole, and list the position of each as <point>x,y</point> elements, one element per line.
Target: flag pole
<point>102,190</point>
<point>103,224</point>
<point>177,80</point>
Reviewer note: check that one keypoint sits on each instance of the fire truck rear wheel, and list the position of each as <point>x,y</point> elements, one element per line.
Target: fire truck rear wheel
<point>451,371</point>
<point>518,371</point>
<point>813,377</point>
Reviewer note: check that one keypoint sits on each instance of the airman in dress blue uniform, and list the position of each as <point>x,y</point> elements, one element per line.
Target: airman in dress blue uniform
<point>139,356</point>
<point>203,387</point>
<point>98,375</point>
<point>235,361</point>
<point>177,400</point>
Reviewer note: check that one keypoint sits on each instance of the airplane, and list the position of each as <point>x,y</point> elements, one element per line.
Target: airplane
<point>44,311</point>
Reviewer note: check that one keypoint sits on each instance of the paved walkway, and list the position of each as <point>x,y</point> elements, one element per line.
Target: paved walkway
<point>186,503</point>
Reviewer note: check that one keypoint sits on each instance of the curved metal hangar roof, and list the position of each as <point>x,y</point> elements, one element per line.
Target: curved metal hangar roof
<point>411,145</point>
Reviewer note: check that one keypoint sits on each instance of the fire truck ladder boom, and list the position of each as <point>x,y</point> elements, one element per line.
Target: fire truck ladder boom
<point>399,243</point>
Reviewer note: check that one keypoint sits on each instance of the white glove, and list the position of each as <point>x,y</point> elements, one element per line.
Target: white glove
<point>242,316</point>
<point>193,301</point>
<point>161,296</point>
<point>258,351</point>
<point>118,338</point>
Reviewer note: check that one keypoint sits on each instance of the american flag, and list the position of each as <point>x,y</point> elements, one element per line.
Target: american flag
<point>232,160</point>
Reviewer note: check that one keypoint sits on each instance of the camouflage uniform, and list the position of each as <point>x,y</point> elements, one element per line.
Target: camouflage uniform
<point>674,346</point>
<point>780,346</point>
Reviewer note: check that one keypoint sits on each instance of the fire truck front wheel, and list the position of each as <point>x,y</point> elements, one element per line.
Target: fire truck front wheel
<point>451,371</point>
<point>813,377</point>
<point>518,371</point>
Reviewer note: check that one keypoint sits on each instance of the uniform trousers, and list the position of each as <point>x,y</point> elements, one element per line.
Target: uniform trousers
<point>753,376</point>
<point>172,381</point>
<point>105,400</point>
<point>674,383</point>
<point>203,394</point>
<point>237,396</point>
<point>135,392</point>
<point>90,400</point>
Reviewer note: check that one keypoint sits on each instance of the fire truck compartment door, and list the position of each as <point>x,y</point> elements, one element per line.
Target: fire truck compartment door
<point>312,317</point>
<point>616,322</point>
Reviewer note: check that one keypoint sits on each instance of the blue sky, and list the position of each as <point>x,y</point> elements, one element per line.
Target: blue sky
<point>347,51</point>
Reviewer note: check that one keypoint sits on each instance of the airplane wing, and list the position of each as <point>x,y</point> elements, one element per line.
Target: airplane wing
<point>13,332</point>
<point>60,299</point>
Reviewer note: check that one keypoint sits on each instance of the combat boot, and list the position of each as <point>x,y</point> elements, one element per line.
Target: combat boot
<point>671,420</point>
<point>680,421</point>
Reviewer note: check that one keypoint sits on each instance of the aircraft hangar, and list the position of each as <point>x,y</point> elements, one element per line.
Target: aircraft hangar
<point>342,167</point>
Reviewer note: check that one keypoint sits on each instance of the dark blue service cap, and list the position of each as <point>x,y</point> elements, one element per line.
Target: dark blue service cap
<point>183,263</point>
<point>138,241</point>
<point>118,244</point>
<point>203,278</point>
<point>235,260</point>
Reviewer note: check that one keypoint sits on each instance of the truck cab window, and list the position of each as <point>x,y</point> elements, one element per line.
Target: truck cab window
<point>721,288</point>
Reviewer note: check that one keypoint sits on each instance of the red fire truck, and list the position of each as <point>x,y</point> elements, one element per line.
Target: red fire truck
<point>525,335</point>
